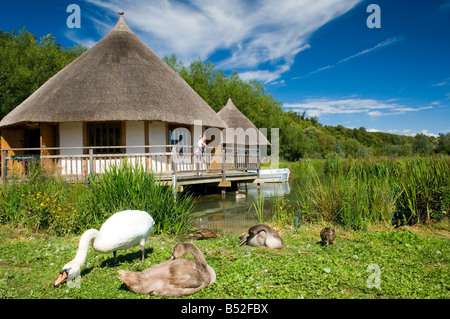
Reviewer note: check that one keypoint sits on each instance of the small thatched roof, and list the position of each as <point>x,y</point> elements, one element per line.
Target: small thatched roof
<point>118,79</point>
<point>235,119</point>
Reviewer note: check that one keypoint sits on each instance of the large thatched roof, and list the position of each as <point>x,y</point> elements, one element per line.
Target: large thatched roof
<point>236,119</point>
<point>118,79</point>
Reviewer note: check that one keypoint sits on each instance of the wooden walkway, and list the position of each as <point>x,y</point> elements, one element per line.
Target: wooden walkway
<point>210,178</point>
<point>221,169</point>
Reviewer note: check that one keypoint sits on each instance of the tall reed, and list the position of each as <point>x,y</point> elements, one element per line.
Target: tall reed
<point>425,188</point>
<point>358,192</point>
<point>258,207</point>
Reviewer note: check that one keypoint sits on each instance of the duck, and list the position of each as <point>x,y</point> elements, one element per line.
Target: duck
<point>328,235</point>
<point>262,235</point>
<point>123,230</point>
<point>204,233</point>
<point>175,277</point>
<point>240,196</point>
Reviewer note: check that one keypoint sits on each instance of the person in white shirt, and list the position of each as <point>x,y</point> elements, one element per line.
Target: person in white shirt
<point>201,145</point>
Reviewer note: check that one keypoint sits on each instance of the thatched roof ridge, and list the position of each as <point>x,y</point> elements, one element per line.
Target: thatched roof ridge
<point>236,119</point>
<point>118,79</point>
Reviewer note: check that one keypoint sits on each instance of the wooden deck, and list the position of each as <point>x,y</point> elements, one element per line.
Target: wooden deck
<point>210,178</point>
<point>219,168</point>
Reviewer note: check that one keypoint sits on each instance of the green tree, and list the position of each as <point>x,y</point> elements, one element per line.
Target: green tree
<point>443,145</point>
<point>351,146</point>
<point>422,144</point>
<point>338,148</point>
<point>25,64</point>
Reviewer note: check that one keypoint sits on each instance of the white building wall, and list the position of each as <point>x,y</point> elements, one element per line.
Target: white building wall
<point>135,136</point>
<point>157,136</point>
<point>71,135</point>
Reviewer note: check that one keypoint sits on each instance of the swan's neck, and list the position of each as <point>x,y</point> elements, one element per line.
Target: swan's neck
<point>198,255</point>
<point>83,246</point>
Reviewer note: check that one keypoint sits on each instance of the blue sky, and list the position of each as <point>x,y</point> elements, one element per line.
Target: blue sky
<point>317,56</point>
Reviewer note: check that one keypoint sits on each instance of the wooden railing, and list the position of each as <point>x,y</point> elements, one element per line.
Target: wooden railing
<point>80,162</point>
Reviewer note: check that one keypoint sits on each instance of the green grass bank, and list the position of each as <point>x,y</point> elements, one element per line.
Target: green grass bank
<point>409,262</point>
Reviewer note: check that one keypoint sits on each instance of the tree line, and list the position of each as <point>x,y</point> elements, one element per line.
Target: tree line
<point>300,136</point>
<point>26,63</point>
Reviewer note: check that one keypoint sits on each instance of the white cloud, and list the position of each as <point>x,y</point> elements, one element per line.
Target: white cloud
<point>255,32</point>
<point>426,132</point>
<point>375,113</point>
<point>371,107</point>
<point>407,132</point>
<point>380,45</point>
<point>74,37</point>
<point>443,83</point>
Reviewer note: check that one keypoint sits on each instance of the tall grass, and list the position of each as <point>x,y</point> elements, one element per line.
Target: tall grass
<point>130,187</point>
<point>258,207</point>
<point>425,188</point>
<point>45,203</point>
<point>41,202</point>
<point>355,193</point>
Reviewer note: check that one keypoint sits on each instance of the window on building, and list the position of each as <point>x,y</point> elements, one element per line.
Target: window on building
<point>180,135</point>
<point>105,135</point>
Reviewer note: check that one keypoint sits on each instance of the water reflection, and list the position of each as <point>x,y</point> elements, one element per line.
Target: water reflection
<point>231,215</point>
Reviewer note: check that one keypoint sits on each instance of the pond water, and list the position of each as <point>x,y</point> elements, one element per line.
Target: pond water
<point>233,216</point>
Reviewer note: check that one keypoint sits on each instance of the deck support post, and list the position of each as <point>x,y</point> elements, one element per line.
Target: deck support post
<point>91,162</point>
<point>174,173</point>
<point>224,176</point>
<point>4,164</point>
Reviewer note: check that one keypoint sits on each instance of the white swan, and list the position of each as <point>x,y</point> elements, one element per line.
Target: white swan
<point>121,231</point>
<point>239,196</point>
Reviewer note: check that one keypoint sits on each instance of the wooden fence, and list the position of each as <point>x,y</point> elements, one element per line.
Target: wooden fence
<point>80,162</point>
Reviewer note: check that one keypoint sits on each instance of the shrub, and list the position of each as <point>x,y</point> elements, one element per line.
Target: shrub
<point>41,202</point>
<point>44,203</point>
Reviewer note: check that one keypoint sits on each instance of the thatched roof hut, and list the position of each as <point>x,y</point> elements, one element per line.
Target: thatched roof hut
<point>235,119</point>
<point>118,79</point>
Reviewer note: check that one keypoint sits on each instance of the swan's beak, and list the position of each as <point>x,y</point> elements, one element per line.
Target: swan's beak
<point>60,279</point>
